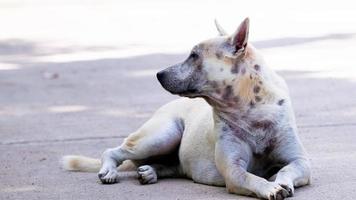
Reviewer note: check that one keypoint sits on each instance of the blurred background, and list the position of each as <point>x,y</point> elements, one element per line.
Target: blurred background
<point>77,76</point>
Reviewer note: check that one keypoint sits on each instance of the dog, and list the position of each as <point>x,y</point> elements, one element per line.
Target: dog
<point>234,126</point>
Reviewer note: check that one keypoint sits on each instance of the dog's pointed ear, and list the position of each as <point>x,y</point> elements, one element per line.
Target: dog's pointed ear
<point>240,38</point>
<point>220,29</point>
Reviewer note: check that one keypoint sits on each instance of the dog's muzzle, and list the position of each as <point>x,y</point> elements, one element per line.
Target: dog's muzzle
<point>175,86</point>
<point>169,83</point>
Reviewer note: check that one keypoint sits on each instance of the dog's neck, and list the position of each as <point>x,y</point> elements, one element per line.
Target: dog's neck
<point>250,99</point>
<point>246,117</point>
<point>249,93</point>
<point>252,96</point>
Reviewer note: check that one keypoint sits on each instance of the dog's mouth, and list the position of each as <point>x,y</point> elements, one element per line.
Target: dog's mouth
<point>191,93</point>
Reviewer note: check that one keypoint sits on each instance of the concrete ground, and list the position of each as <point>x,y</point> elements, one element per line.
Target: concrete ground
<point>76,77</point>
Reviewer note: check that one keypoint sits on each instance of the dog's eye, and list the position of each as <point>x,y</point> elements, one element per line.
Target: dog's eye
<point>193,56</point>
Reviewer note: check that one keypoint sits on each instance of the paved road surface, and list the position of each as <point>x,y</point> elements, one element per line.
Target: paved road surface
<point>76,77</point>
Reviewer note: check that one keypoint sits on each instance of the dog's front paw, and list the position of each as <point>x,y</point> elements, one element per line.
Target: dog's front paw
<point>275,192</point>
<point>288,187</point>
<point>146,175</point>
<point>107,176</point>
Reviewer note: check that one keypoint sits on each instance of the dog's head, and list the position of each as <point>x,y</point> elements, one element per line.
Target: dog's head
<point>217,69</point>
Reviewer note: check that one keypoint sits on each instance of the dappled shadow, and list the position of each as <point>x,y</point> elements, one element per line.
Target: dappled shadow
<point>31,48</point>
<point>11,48</point>
<point>290,41</point>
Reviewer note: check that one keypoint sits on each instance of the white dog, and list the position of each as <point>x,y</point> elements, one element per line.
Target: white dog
<point>240,133</point>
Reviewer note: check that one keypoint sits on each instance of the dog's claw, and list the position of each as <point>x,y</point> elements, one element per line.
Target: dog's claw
<point>276,192</point>
<point>288,189</point>
<point>100,175</point>
<point>277,196</point>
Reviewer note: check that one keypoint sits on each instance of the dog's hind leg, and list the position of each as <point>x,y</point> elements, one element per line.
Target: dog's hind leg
<point>160,135</point>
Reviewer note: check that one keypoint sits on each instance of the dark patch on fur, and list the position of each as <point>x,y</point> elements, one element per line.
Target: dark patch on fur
<point>281,102</point>
<point>258,99</point>
<point>224,128</point>
<point>214,84</point>
<point>228,93</point>
<point>235,68</point>
<point>243,70</point>
<point>194,59</point>
<point>222,136</point>
<point>221,69</point>
<point>250,76</point>
<point>219,55</point>
<point>252,104</point>
<point>233,102</point>
<point>270,147</point>
<point>264,125</point>
<point>256,89</point>
<point>268,143</point>
<point>236,98</point>
<point>260,82</point>
<point>257,67</point>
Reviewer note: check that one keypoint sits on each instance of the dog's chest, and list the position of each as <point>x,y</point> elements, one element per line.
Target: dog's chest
<point>261,136</point>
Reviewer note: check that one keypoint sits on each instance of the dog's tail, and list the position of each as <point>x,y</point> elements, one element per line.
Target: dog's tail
<point>86,164</point>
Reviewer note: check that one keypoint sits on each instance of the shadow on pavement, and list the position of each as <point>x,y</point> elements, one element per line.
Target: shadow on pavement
<point>290,41</point>
<point>31,48</point>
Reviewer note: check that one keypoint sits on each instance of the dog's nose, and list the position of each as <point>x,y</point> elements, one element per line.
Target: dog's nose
<point>160,76</point>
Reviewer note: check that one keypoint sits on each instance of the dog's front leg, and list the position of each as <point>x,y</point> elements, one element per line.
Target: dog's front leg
<point>295,174</point>
<point>232,157</point>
